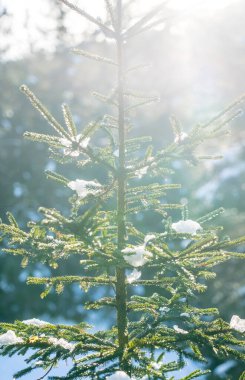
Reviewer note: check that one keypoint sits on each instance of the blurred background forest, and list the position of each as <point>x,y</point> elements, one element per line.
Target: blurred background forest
<point>198,67</point>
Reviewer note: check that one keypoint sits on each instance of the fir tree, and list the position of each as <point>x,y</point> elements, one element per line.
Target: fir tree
<point>171,265</point>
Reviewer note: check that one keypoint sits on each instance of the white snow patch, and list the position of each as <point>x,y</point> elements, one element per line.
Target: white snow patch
<point>237,323</point>
<point>186,227</point>
<point>62,343</point>
<point>9,338</point>
<point>36,322</point>
<point>164,309</point>
<point>179,330</point>
<point>180,137</point>
<point>141,172</point>
<point>83,188</point>
<point>116,153</point>
<point>156,365</point>
<point>148,238</point>
<point>133,276</point>
<point>186,315</point>
<point>138,255</point>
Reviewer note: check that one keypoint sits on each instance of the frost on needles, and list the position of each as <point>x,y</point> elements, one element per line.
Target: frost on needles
<point>114,252</point>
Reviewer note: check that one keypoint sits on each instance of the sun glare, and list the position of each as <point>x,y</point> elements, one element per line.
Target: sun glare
<point>29,17</point>
<point>195,5</point>
<point>200,4</point>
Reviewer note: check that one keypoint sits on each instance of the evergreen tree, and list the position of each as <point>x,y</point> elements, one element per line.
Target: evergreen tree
<point>115,251</point>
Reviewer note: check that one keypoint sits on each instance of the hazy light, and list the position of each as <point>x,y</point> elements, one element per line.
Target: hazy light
<point>200,4</point>
<point>29,16</point>
<point>195,5</point>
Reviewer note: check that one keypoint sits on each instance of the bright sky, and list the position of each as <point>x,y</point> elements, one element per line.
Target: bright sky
<point>29,15</point>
